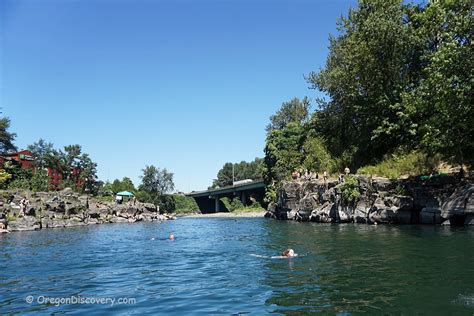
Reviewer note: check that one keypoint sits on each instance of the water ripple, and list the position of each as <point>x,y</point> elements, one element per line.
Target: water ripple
<point>208,269</point>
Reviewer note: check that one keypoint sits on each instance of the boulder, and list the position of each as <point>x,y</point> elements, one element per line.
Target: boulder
<point>117,219</point>
<point>469,219</point>
<point>149,207</point>
<point>323,214</point>
<point>383,184</point>
<point>459,203</point>
<point>30,211</point>
<point>431,215</point>
<point>345,214</point>
<point>361,212</point>
<point>309,202</point>
<point>23,224</point>
<point>303,215</point>
<point>391,209</point>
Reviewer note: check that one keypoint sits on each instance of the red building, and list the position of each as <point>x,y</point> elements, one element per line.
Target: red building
<point>24,158</point>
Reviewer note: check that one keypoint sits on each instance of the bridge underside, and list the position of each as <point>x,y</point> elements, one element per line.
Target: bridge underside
<point>212,203</point>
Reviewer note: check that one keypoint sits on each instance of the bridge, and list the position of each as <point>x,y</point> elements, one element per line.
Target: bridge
<point>209,200</point>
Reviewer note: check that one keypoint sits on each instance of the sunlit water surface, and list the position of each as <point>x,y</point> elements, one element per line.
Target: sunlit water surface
<point>211,268</point>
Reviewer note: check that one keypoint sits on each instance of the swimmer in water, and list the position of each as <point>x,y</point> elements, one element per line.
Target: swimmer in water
<point>171,236</point>
<point>289,253</point>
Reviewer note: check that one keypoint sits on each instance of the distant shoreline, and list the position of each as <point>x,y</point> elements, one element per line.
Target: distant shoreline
<point>227,215</point>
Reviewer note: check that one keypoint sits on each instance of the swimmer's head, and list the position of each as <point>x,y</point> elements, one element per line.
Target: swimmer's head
<point>288,253</point>
<point>171,236</point>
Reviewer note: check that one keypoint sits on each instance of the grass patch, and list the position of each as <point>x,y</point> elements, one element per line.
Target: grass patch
<point>249,209</point>
<point>184,204</point>
<point>236,206</point>
<point>398,165</point>
<point>105,199</point>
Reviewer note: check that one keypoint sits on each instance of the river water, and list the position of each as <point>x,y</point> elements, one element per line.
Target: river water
<point>221,266</point>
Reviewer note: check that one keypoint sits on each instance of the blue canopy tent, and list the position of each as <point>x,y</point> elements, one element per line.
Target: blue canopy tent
<point>125,193</point>
<point>119,196</point>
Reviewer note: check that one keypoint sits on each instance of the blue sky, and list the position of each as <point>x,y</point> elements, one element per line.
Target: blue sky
<point>183,85</point>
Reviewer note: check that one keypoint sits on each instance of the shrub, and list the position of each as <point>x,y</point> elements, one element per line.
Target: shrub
<point>317,157</point>
<point>40,181</point>
<point>232,205</point>
<point>4,177</point>
<point>184,204</point>
<point>11,218</point>
<point>20,184</point>
<point>270,195</point>
<point>397,165</point>
<point>350,190</point>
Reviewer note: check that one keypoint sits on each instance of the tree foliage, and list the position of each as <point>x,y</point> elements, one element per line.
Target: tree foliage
<point>296,111</point>
<point>4,177</point>
<point>117,185</point>
<point>156,181</point>
<point>41,150</point>
<point>40,181</point>
<point>398,78</point>
<point>283,152</point>
<point>243,170</point>
<point>6,138</point>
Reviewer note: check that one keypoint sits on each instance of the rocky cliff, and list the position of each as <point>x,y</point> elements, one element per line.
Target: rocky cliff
<point>446,200</point>
<point>67,209</point>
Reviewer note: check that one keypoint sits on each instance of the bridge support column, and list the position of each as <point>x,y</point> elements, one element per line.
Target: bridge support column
<point>217,203</point>
<point>243,197</point>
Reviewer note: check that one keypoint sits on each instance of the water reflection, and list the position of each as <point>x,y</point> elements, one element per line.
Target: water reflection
<point>208,269</point>
<point>361,268</point>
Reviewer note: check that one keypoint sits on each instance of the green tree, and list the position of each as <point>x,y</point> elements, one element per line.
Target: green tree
<point>316,155</point>
<point>87,175</point>
<point>41,150</point>
<point>283,152</point>
<point>296,111</point>
<point>243,170</point>
<point>40,181</point>
<point>4,177</point>
<point>6,138</point>
<point>441,105</point>
<point>125,185</point>
<point>156,181</point>
<point>374,60</point>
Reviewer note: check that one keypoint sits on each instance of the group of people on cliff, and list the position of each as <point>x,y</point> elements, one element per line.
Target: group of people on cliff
<point>311,176</point>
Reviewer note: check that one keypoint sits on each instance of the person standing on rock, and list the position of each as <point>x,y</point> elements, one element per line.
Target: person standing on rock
<point>22,207</point>
<point>325,178</point>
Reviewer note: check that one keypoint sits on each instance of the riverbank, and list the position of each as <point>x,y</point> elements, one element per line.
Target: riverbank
<point>446,200</point>
<point>249,214</point>
<point>67,209</point>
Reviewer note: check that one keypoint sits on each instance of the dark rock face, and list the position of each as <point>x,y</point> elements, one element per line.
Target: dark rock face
<point>67,209</point>
<point>447,200</point>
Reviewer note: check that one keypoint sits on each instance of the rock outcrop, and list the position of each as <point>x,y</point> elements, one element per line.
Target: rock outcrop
<point>67,209</point>
<point>445,200</point>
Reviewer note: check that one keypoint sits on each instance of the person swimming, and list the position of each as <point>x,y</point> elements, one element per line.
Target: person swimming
<point>171,236</point>
<point>289,253</point>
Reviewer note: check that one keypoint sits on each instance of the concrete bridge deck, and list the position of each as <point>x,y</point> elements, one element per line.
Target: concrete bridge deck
<point>241,190</point>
